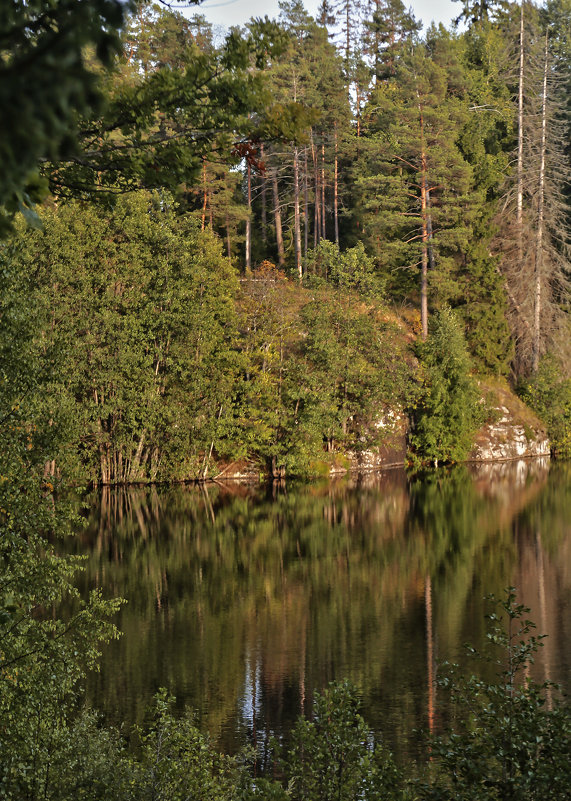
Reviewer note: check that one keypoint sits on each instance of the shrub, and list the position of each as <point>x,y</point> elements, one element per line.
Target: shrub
<point>334,756</point>
<point>548,393</point>
<point>350,269</point>
<point>509,742</point>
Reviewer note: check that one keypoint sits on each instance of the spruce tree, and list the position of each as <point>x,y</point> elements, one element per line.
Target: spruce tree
<point>449,413</point>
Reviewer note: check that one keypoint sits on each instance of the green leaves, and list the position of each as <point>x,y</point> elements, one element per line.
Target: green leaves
<point>548,393</point>
<point>46,80</point>
<point>353,269</point>
<point>173,100</point>
<point>509,742</point>
<point>449,411</point>
<point>178,762</point>
<point>48,638</point>
<point>139,305</point>
<point>334,756</point>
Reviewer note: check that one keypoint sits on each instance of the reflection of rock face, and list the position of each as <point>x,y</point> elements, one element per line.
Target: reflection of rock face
<point>390,455</point>
<point>512,484</point>
<point>509,437</point>
<point>515,472</point>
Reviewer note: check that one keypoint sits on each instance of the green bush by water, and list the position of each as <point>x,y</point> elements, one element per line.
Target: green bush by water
<point>548,393</point>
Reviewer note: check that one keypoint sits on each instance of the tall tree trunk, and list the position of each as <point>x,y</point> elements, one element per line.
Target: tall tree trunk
<point>135,467</point>
<point>429,231</point>
<point>377,43</point>
<point>306,207</point>
<point>540,217</point>
<point>316,212</point>
<point>424,262</point>
<point>249,220</point>
<point>263,197</point>
<point>426,229</point>
<point>336,189</point>
<point>519,214</point>
<point>204,195</point>
<point>296,218</point>
<point>278,219</point>
<point>228,242</point>
<point>323,229</point>
<point>348,36</point>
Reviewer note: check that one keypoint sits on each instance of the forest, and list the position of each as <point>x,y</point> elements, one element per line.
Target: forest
<point>241,246</point>
<point>254,250</point>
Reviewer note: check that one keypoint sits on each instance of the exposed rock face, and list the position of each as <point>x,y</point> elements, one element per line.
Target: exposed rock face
<point>392,451</point>
<point>241,470</point>
<point>508,437</point>
<point>513,433</point>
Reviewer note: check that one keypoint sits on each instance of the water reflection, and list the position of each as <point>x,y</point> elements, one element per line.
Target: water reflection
<point>244,600</point>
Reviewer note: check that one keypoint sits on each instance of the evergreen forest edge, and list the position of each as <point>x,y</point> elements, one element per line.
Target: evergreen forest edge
<point>127,332</point>
<point>242,246</point>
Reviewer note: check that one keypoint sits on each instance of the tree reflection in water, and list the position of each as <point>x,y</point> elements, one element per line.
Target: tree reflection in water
<point>244,600</point>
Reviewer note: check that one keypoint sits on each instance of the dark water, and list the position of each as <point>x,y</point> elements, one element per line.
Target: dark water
<point>245,600</point>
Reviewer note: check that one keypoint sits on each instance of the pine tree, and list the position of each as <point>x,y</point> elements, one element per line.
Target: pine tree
<point>417,182</point>
<point>478,11</point>
<point>307,117</point>
<point>388,25</point>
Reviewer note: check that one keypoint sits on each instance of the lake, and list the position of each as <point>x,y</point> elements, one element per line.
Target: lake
<point>245,600</point>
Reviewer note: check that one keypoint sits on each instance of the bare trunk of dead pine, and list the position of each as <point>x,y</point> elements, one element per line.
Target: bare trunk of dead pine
<point>336,189</point>
<point>249,220</point>
<point>348,33</point>
<point>377,44</point>
<point>278,219</point>
<point>540,217</point>
<point>296,216</point>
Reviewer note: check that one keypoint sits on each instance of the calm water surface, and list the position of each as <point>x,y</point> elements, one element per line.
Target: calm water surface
<point>245,600</point>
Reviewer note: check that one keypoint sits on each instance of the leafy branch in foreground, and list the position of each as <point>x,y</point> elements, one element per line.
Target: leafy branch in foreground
<point>45,80</point>
<point>511,736</point>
